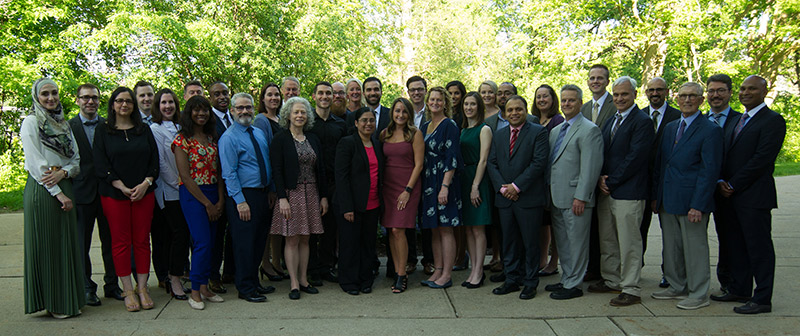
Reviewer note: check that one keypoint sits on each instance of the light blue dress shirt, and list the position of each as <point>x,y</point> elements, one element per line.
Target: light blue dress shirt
<point>239,162</point>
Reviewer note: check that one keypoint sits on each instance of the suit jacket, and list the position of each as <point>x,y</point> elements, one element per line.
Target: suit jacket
<point>525,167</point>
<point>492,120</point>
<point>383,122</point>
<point>286,167</point>
<point>728,126</point>
<point>749,159</point>
<point>85,184</point>
<point>670,114</point>
<point>687,171</point>
<point>606,111</point>
<point>352,174</point>
<point>219,125</point>
<point>627,155</point>
<point>577,163</point>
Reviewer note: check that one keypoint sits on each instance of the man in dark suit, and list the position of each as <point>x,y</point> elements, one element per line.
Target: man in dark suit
<point>662,114</point>
<point>687,168</point>
<point>517,162</point>
<point>718,88</point>
<point>373,91</point>
<point>747,184</point>
<point>627,138</point>
<point>504,91</point>
<point>86,197</point>
<point>496,122</point>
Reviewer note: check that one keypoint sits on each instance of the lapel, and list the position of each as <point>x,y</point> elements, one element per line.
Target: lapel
<point>362,151</point>
<point>503,143</point>
<point>687,134</point>
<point>608,109</point>
<point>576,125</point>
<point>523,133</point>
<point>753,120</point>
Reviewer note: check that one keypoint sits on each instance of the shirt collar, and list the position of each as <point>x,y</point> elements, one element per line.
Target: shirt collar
<point>601,100</point>
<point>660,110</point>
<point>144,116</point>
<point>626,112</point>
<point>752,113</point>
<point>724,112</point>
<point>220,114</point>
<point>690,119</point>
<point>83,119</point>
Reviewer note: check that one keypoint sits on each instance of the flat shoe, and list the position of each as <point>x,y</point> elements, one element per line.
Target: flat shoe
<point>447,284</point>
<point>309,289</point>
<point>294,294</point>
<point>215,298</point>
<point>196,305</point>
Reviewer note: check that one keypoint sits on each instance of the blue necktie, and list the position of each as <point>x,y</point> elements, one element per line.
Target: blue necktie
<point>680,133</point>
<point>262,167</point>
<point>560,138</point>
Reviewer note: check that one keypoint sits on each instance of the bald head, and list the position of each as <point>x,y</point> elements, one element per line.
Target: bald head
<point>753,91</point>
<point>657,92</point>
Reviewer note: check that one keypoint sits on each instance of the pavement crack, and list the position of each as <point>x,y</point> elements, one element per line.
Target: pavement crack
<point>450,301</point>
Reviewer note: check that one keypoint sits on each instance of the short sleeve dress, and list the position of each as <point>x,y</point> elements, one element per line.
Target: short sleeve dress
<point>442,154</point>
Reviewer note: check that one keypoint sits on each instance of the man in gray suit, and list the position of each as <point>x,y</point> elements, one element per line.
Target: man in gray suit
<point>576,158</point>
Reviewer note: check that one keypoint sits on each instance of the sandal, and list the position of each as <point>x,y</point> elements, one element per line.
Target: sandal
<point>401,284</point>
<point>144,295</point>
<point>131,301</point>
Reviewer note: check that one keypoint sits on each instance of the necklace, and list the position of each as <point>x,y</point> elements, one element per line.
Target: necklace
<point>297,138</point>
<point>126,135</point>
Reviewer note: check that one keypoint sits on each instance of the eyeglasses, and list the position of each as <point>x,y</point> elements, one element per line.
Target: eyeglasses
<point>338,93</point>
<point>717,91</point>
<point>367,120</point>
<point>123,101</point>
<point>242,108</point>
<point>90,98</point>
<point>654,90</point>
<point>688,96</point>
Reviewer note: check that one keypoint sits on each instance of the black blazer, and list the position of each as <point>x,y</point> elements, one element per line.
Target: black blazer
<point>386,116</point>
<point>670,114</point>
<point>286,167</point>
<point>627,156</point>
<point>85,184</point>
<point>525,167</point>
<point>219,125</point>
<point>352,173</point>
<point>749,159</point>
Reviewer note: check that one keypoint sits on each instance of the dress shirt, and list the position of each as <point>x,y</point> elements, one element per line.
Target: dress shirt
<point>722,119</point>
<point>688,121</point>
<point>39,159</point>
<point>600,102</point>
<point>147,119</point>
<point>89,129</point>
<point>168,179</point>
<point>500,121</point>
<point>419,117</point>
<point>752,113</point>
<point>624,115</point>
<point>223,116</point>
<point>661,110</point>
<point>239,163</point>
<point>377,111</point>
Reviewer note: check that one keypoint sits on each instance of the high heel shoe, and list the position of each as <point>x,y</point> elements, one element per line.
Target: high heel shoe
<point>131,301</point>
<point>144,296</point>
<point>276,277</point>
<point>177,297</point>
<point>473,286</point>
<point>401,284</point>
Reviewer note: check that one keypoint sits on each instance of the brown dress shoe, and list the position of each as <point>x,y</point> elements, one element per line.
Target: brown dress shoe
<point>410,268</point>
<point>217,287</point>
<point>600,287</point>
<point>625,299</point>
<point>429,268</point>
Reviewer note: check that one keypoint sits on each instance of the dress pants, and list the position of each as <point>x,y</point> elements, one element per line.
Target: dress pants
<point>357,250</point>
<point>594,246</point>
<point>249,238</point>
<point>753,253</point>
<point>620,243</point>
<point>572,238</point>
<point>178,237</point>
<point>87,214</point>
<point>685,253</point>
<point>722,223</point>
<point>160,236</point>
<point>129,223</point>
<point>223,246</point>
<point>202,232</point>
<point>322,247</point>
<point>520,229</point>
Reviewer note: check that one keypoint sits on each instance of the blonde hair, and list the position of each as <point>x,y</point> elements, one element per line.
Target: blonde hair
<point>448,102</point>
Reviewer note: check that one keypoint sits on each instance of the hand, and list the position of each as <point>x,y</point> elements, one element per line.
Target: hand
<point>402,200</point>
<point>509,192</point>
<point>283,207</point>
<point>724,189</point>
<point>212,211</point>
<point>578,206</point>
<point>349,216</point>
<point>66,203</point>
<point>695,216</point>
<point>138,191</point>
<point>443,193</point>
<point>52,177</point>
<point>602,185</point>
<point>244,211</point>
<point>654,206</point>
<point>323,204</point>
<point>272,197</point>
<point>220,206</point>
<point>475,197</point>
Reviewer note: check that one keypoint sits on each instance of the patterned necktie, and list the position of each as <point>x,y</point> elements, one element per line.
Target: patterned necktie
<point>595,108</point>
<point>262,167</point>
<point>560,139</point>
<point>655,119</point>
<point>680,133</point>
<point>514,133</point>
<point>717,116</point>
<point>616,125</point>
<point>228,122</point>
<point>740,125</point>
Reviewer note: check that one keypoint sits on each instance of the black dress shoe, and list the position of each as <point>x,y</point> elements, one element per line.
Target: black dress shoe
<point>728,297</point>
<point>498,277</point>
<point>752,308</point>
<point>115,294</point>
<point>315,282</point>
<point>265,290</point>
<point>309,289</point>
<point>366,290</point>
<point>529,292</point>
<point>566,293</point>
<point>554,287</point>
<point>253,297</point>
<point>352,292</point>
<point>294,294</point>
<point>505,288</point>
<point>330,276</point>
<point>92,299</point>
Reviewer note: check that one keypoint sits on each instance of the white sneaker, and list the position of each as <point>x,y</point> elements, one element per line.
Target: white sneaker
<point>196,305</point>
<point>691,304</point>
<point>668,294</point>
<point>215,298</point>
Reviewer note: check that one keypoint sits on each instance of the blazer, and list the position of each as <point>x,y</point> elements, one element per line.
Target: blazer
<point>576,164</point>
<point>749,159</point>
<point>494,119</point>
<point>626,156</point>
<point>352,174</point>
<point>670,114</point>
<point>386,116</point>
<point>525,167</point>
<point>687,171</point>
<point>606,111</point>
<point>85,184</point>
<point>286,167</point>
<point>728,124</point>
<point>219,126</point>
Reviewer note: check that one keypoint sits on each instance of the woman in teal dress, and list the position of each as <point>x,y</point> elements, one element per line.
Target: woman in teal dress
<point>476,138</point>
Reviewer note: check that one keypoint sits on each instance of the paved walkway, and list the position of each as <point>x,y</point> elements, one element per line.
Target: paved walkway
<point>454,311</point>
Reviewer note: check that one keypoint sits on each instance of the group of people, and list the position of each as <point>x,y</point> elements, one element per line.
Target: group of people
<point>273,187</point>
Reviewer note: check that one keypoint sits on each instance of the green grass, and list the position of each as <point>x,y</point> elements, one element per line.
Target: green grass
<point>11,200</point>
<point>786,169</point>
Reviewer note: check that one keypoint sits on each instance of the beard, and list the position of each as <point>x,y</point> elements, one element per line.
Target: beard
<point>338,108</point>
<point>244,120</point>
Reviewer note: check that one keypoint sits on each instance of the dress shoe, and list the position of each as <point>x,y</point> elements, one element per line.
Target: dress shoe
<point>426,283</point>
<point>692,304</point>
<point>498,267</point>
<point>181,297</point>
<point>115,294</point>
<point>728,297</point>
<point>489,265</point>
<point>590,276</point>
<point>215,298</point>
<point>410,268</point>
<point>505,288</point>
<point>294,294</point>
<point>625,299</point>
<point>92,299</point>
<point>601,287</point>
<point>196,305</point>
<point>366,290</point>
<point>544,273</point>
<point>162,284</point>
<point>478,285</point>
<point>554,287</point>
<point>464,284</point>
<point>529,292</point>
<point>429,268</point>
<point>566,293</point>
<point>330,276</point>
<point>314,281</point>
<point>265,290</point>
<point>447,284</point>
<point>217,287</point>
<point>668,294</point>
<point>752,308</point>
<point>253,297</point>
<point>228,279</point>
<point>664,283</point>
<point>498,277</point>
<point>352,292</point>
<point>309,289</point>
<point>271,277</point>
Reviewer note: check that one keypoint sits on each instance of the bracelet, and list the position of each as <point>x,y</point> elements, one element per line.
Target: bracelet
<point>148,181</point>
<point>66,173</point>
<point>409,189</point>
<point>446,185</point>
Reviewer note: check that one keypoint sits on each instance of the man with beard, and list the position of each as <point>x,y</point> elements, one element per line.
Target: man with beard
<point>290,87</point>
<point>244,157</point>
<point>373,91</point>
<point>505,91</point>
<point>144,98</point>
<point>339,104</point>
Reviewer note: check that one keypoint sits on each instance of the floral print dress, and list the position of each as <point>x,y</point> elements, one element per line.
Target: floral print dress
<point>442,154</point>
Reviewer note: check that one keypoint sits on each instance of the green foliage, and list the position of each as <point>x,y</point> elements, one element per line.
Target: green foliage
<point>12,177</point>
<point>787,105</point>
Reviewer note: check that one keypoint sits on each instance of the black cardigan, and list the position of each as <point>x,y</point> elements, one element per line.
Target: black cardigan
<point>285,164</point>
<point>128,159</point>
<point>352,173</point>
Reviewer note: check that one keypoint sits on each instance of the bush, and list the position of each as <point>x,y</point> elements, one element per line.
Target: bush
<point>786,105</point>
<point>12,177</point>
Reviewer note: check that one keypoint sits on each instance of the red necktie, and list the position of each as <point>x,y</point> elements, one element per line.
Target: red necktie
<point>514,133</point>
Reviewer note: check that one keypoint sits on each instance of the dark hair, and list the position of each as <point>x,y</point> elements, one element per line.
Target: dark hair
<point>553,108</point>
<point>86,86</point>
<point>408,130</point>
<point>360,112</point>
<point>190,83</point>
<point>372,79</point>
<point>722,78</point>
<point>461,88</point>
<point>516,97</point>
<point>262,108</point>
<point>511,85</point>
<point>417,79</point>
<point>481,108</point>
<point>322,83</point>
<point>186,122</point>
<point>139,84</point>
<point>601,66</point>
<point>156,112</point>
<point>136,118</point>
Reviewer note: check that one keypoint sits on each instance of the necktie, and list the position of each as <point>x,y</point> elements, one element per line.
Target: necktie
<point>717,116</point>
<point>655,119</point>
<point>228,123</point>
<point>595,109</point>
<point>262,167</point>
<point>740,125</point>
<point>91,122</point>
<point>680,133</point>
<point>616,125</point>
<point>560,139</point>
<point>514,133</point>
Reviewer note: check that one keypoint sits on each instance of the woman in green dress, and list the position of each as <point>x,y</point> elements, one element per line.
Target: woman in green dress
<point>53,265</point>
<point>476,137</point>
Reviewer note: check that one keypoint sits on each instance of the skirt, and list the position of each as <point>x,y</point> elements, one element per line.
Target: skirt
<point>305,216</point>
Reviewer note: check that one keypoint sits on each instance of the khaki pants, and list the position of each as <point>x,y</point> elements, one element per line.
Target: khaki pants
<point>620,243</point>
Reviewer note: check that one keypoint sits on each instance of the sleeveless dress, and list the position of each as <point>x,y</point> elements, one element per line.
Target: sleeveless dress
<point>399,166</point>
<point>471,152</point>
<point>304,200</point>
<point>442,154</point>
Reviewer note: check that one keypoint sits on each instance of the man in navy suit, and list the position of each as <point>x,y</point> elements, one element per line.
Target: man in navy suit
<point>628,138</point>
<point>688,165</point>
<point>746,182</point>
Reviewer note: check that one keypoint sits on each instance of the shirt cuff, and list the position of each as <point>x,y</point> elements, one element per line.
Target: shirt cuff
<point>238,198</point>
<point>515,187</point>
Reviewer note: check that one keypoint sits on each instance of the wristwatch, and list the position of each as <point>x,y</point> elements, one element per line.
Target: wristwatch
<point>409,189</point>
